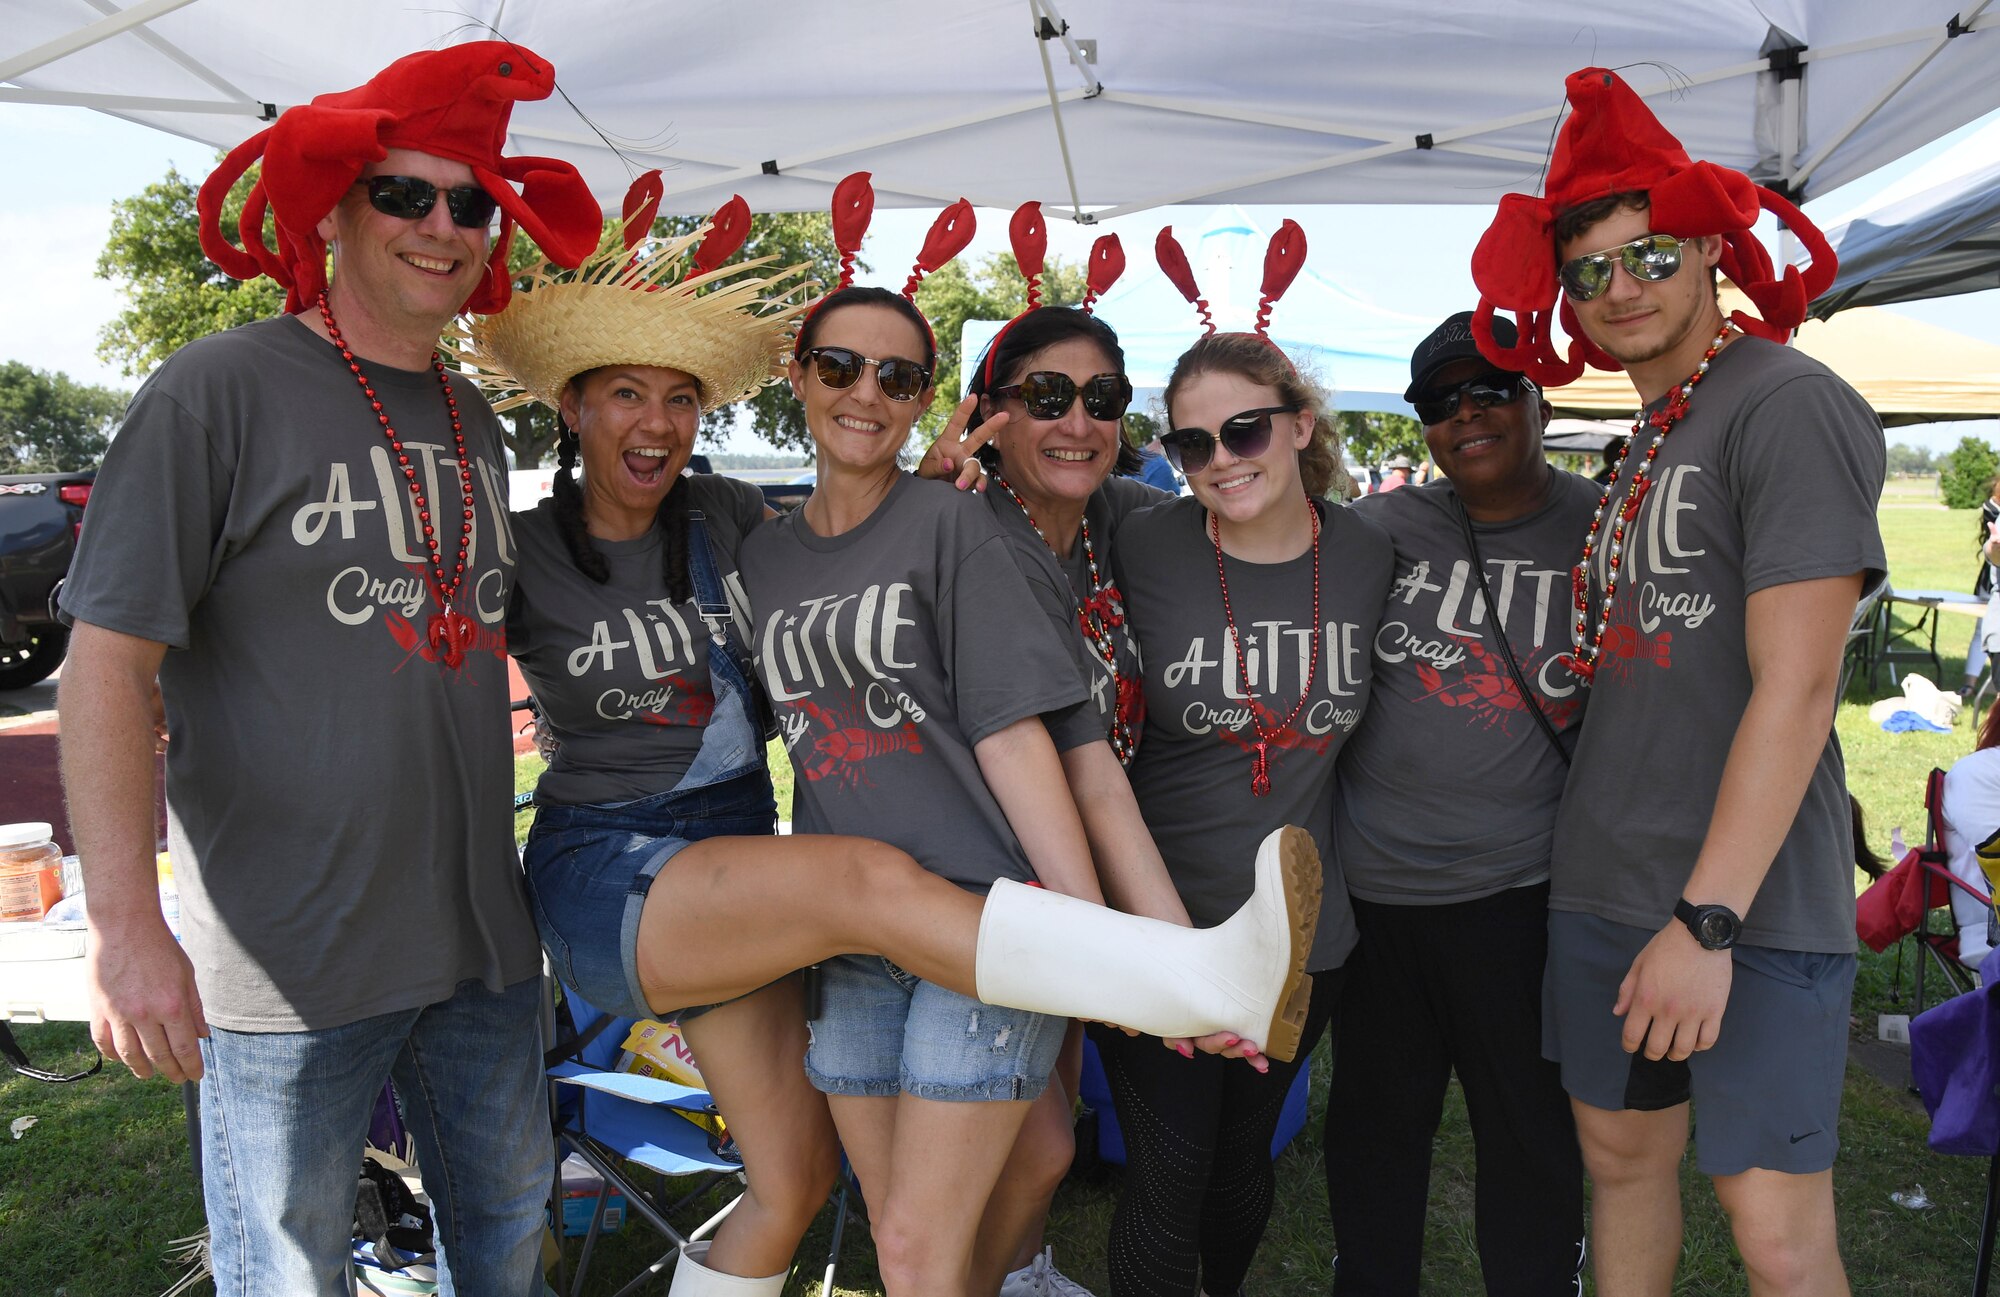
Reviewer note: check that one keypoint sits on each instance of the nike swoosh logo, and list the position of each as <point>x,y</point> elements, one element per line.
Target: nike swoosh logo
<point>1808,1135</point>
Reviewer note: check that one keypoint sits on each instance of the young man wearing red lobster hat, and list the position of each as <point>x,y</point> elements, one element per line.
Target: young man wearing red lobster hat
<point>310,552</point>
<point>1701,940</point>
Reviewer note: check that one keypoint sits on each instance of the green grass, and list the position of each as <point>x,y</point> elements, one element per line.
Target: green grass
<point>90,1196</point>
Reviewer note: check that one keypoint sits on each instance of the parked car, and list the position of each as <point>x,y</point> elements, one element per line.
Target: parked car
<point>40,517</point>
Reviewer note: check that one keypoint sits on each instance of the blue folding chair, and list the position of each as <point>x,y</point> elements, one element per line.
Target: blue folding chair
<point>615,1120</point>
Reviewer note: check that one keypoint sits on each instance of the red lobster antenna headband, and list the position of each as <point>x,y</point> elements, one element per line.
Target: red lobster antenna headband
<point>451,103</point>
<point>1031,244</point>
<point>1283,259</point>
<point>1613,144</point>
<point>854,205</point>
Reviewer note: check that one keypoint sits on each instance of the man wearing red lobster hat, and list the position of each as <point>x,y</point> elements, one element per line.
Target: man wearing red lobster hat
<point>304,539</point>
<point>1701,935</point>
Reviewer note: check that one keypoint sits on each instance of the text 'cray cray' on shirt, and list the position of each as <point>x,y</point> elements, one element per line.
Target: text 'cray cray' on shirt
<point>1192,776</point>
<point>339,797</point>
<point>620,671</point>
<point>889,652</point>
<point>1770,478</point>
<point>1449,790</point>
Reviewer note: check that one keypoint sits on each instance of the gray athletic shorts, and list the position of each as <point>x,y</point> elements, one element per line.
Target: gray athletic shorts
<point>1767,1094</point>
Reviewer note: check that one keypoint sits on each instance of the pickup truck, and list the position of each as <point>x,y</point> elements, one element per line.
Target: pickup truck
<point>40,516</point>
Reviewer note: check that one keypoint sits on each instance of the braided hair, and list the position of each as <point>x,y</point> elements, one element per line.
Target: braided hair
<point>672,520</point>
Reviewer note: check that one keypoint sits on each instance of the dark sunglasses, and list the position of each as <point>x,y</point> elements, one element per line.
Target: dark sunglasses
<point>1247,435</point>
<point>1486,391</point>
<point>840,369</point>
<point>411,198</point>
<point>1653,258</point>
<point>1048,395</point>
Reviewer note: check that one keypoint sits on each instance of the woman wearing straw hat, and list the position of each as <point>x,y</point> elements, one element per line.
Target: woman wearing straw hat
<point>654,885</point>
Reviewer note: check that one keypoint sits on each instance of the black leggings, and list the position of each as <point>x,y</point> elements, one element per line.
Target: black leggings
<point>1432,990</point>
<point>1198,1180</point>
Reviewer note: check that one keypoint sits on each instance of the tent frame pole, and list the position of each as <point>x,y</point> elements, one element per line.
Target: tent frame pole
<point>86,36</point>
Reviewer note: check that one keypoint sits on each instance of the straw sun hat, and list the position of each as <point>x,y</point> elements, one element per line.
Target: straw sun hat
<point>667,303</point>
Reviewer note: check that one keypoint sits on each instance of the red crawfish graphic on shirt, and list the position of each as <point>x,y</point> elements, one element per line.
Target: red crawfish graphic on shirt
<point>1660,589</point>
<point>361,522</point>
<point>1203,687</point>
<point>1437,629</point>
<point>837,668</point>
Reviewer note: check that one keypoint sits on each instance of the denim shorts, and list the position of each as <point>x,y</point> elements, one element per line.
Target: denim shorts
<point>883,1031</point>
<point>590,866</point>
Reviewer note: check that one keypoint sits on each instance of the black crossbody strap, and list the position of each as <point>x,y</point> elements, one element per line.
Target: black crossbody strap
<point>11,1050</point>
<point>1500,632</point>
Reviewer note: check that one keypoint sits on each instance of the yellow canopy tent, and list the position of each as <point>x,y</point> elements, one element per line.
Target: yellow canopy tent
<point>1909,371</point>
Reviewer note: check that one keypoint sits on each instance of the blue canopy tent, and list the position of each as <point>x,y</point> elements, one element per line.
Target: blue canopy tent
<point>1935,234</point>
<point>1358,351</point>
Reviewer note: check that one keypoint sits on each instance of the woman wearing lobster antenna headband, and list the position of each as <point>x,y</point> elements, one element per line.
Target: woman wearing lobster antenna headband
<point>911,668</point>
<point>1253,604</point>
<point>655,885</point>
<point>1051,391</point>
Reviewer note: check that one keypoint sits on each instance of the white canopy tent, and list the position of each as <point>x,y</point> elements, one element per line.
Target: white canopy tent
<point>1120,105</point>
<point>1934,234</point>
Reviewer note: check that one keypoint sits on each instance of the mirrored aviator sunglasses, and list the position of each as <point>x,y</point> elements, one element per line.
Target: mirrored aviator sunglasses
<point>1247,435</point>
<point>840,369</point>
<point>1652,259</point>
<point>1048,395</point>
<point>411,198</point>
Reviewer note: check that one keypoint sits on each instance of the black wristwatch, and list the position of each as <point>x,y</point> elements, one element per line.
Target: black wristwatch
<point>1716,927</point>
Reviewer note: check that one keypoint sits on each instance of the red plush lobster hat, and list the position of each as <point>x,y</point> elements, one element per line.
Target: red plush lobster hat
<point>1611,144</point>
<point>452,103</point>
<point>1031,245</point>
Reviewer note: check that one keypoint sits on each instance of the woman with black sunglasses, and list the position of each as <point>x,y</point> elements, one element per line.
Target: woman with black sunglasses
<point>1253,604</point>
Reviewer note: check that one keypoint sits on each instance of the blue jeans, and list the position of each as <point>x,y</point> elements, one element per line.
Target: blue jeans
<point>284,1116</point>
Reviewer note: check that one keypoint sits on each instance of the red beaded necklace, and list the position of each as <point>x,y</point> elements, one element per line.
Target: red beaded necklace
<point>450,631</point>
<point>1096,615</point>
<point>1587,641</point>
<point>1260,765</point>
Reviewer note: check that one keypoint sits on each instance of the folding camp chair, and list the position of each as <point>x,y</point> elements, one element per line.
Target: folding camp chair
<point>1904,902</point>
<point>1859,654</point>
<point>616,1121</point>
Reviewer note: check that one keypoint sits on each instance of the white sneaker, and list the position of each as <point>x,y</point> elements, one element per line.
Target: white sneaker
<point>1040,1278</point>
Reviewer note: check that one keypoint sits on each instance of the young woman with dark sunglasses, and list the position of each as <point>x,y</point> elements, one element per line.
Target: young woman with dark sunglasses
<point>1253,604</point>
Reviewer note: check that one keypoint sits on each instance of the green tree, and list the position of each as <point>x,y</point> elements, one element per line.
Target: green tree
<point>1907,460</point>
<point>1966,475</point>
<point>173,293</point>
<point>992,290</point>
<point>49,423</point>
<point>1372,437</point>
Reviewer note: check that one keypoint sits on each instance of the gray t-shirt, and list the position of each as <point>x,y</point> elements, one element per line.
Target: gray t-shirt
<point>620,672</point>
<point>1062,585</point>
<point>889,652</point>
<point>338,797</point>
<point>1193,772</point>
<point>1449,789</point>
<point>1771,478</point>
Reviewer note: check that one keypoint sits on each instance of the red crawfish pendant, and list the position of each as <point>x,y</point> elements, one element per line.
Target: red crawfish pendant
<point>450,636</point>
<point>1260,770</point>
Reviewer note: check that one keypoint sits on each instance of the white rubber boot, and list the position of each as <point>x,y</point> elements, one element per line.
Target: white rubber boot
<point>693,1279</point>
<point>1055,954</point>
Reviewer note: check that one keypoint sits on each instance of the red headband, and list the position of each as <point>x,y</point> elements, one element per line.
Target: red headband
<point>854,206</point>
<point>1031,244</point>
<point>451,103</point>
<point>1613,144</point>
<point>1283,259</point>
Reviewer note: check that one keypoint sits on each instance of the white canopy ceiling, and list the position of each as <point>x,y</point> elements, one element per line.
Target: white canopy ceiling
<point>1131,104</point>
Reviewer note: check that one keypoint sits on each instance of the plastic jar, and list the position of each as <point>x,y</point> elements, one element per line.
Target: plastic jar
<point>30,872</point>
